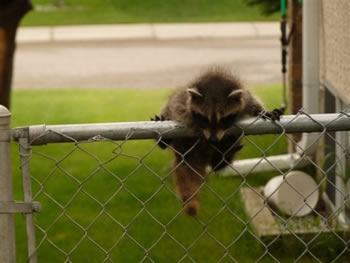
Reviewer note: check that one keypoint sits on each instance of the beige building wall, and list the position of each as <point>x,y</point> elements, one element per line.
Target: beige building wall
<point>335,47</point>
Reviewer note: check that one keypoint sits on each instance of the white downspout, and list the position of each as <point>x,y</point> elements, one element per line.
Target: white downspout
<point>311,98</point>
<point>311,69</point>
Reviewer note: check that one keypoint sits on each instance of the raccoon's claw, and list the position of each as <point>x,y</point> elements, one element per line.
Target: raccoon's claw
<point>155,118</point>
<point>273,115</point>
<point>158,118</point>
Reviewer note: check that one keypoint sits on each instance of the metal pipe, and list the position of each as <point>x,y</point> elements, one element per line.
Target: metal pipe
<point>276,162</point>
<point>7,227</point>
<point>43,134</point>
<point>25,153</point>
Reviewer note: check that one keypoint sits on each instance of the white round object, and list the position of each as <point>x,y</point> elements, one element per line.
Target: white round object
<point>296,195</point>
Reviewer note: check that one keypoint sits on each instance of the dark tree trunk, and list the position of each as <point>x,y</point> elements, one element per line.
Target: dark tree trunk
<point>295,66</point>
<point>295,56</point>
<point>11,13</point>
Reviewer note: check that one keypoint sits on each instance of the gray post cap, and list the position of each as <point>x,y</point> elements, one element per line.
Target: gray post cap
<point>4,115</point>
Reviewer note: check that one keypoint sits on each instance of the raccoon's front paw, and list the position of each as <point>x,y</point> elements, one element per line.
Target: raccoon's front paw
<point>273,115</point>
<point>163,143</point>
<point>158,118</point>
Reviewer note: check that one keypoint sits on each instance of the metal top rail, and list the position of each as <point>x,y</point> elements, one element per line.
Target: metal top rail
<point>302,122</point>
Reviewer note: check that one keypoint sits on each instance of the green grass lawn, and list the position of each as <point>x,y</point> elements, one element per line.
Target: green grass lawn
<point>140,11</point>
<point>113,195</point>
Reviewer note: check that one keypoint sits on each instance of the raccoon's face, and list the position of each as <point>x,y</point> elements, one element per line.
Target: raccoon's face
<point>214,113</point>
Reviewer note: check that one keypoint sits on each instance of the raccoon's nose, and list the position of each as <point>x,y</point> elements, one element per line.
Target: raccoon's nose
<point>213,139</point>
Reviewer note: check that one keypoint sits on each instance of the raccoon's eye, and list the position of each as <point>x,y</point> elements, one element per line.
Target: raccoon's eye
<point>202,121</point>
<point>227,121</point>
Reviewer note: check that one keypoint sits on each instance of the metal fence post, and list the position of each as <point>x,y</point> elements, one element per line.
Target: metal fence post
<point>7,225</point>
<point>25,153</point>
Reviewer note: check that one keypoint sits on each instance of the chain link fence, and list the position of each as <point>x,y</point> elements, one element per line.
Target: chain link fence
<point>107,194</point>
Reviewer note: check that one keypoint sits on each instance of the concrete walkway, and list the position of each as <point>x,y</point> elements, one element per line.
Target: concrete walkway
<point>147,31</point>
<point>146,63</point>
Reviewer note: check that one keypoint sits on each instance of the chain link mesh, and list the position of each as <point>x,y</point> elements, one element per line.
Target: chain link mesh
<point>115,201</point>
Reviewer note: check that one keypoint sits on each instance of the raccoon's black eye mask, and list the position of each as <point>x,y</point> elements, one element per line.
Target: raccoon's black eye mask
<point>202,121</point>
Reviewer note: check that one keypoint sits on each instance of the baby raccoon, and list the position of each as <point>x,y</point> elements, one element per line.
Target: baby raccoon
<point>208,107</point>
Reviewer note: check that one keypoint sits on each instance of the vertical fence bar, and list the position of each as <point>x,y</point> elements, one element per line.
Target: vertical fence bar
<point>340,170</point>
<point>25,153</point>
<point>7,224</point>
<point>330,106</point>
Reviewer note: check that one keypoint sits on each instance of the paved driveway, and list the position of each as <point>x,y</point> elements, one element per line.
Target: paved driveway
<point>142,63</point>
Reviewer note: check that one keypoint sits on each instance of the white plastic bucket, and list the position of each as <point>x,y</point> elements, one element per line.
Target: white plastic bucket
<point>289,195</point>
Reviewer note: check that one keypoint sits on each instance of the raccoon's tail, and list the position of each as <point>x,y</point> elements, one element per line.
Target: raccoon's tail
<point>188,179</point>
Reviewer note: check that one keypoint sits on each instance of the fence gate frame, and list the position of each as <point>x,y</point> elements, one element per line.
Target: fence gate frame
<point>8,206</point>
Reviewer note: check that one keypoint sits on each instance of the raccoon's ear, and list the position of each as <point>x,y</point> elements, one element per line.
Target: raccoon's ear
<point>194,93</point>
<point>236,95</point>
